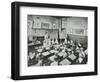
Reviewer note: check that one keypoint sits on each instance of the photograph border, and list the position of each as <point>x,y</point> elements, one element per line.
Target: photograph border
<point>15,39</point>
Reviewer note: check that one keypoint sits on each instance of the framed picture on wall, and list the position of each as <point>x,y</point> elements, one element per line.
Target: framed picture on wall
<point>45,25</point>
<point>53,40</point>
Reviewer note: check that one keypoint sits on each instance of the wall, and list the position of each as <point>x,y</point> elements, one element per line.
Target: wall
<point>76,28</point>
<point>5,41</point>
<point>38,21</point>
<point>76,23</point>
<point>39,25</point>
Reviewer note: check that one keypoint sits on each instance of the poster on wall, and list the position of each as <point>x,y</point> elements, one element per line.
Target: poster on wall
<point>53,40</point>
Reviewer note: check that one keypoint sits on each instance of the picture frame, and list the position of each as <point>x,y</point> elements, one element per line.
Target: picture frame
<point>18,15</point>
